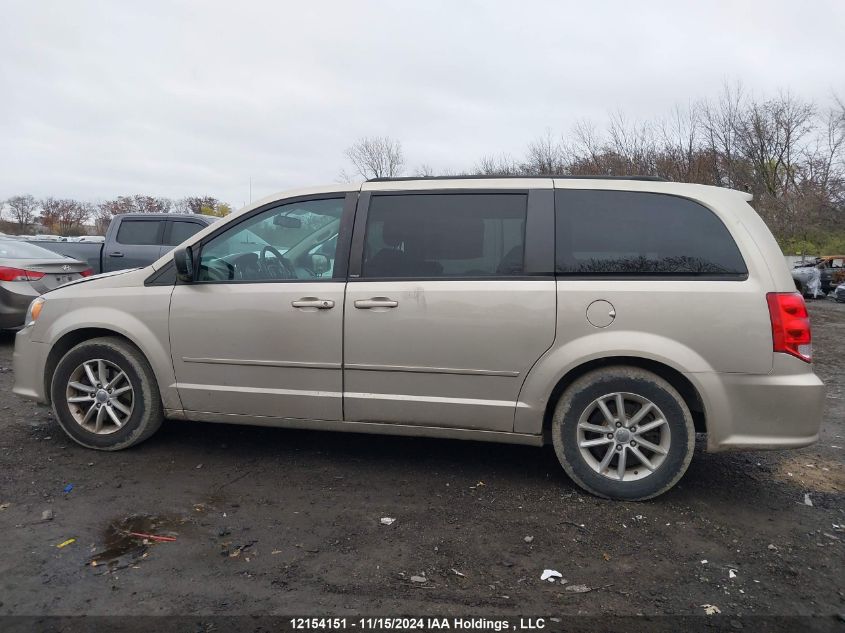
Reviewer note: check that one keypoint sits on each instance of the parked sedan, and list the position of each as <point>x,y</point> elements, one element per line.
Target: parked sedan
<point>26,271</point>
<point>839,293</point>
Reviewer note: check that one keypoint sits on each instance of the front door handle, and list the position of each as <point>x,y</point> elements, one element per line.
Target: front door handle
<point>313,302</point>
<point>375,302</point>
<point>116,254</point>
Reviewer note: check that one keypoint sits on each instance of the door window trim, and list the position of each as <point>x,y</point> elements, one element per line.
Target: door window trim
<point>538,258</point>
<point>349,199</point>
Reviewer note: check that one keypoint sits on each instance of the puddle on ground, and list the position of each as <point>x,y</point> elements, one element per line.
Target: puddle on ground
<point>123,545</point>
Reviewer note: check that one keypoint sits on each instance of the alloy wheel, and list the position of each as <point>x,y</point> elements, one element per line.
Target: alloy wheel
<point>623,436</point>
<point>100,396</point>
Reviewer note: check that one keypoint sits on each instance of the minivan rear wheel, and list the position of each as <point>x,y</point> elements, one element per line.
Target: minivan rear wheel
<point>623,433</point>
<point>105,395</point>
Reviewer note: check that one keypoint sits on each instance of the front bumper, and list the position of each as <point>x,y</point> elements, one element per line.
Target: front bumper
<point>29,361</point>
<point>771,411</point>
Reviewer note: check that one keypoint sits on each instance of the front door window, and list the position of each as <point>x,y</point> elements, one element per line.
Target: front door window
<point>296,241</point>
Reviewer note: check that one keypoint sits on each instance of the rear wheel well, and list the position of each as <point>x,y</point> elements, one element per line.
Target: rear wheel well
<point>68,342</point>
<point>672,376</point>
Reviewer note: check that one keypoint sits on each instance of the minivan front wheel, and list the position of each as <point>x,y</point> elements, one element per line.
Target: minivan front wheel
<point>105,395</point>
<point>623,433</point>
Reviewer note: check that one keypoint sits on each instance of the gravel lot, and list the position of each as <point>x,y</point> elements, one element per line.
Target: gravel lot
<point>271,521</point>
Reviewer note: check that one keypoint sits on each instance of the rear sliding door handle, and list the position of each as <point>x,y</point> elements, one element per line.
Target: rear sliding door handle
<point>313,302</point>
<point>116,254</point>
<point>375,302</point>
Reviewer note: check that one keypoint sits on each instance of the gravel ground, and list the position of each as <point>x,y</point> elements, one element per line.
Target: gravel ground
<point>270,521</point>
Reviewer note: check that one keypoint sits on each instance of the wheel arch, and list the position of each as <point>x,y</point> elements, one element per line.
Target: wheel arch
<point>688,391</point>
<point>71,339</point>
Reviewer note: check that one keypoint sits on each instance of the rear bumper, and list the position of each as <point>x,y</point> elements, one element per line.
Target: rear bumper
<point>773,411</point>
<point>29,361</point>
<point>15,297</point>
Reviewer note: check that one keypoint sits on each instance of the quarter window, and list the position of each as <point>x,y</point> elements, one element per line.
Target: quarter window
<point>295,241</point>
<point>445,235</point>
<point>638,233</point>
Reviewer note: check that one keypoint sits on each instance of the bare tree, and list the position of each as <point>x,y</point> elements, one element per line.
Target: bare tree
<point>23,210</point>
<point>719,123</point>
<point>545,156</point>
<point>680,156</point>
<point>425,171</point>
<point>151,204</point>
<point>65,216</point>
<point>498,165</point>
<point>195,204</point>
<point>376,157</point>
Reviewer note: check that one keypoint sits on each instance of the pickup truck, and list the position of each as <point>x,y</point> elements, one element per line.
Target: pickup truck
<point>133,240</point>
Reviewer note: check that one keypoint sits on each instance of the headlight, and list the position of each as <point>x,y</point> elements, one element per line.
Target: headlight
<point>34,311</point>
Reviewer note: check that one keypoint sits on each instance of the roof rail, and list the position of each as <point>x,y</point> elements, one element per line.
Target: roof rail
<point>483,177</point>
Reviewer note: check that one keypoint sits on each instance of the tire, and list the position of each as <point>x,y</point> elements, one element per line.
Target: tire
<point>139,409</point>
<point>578,415</point>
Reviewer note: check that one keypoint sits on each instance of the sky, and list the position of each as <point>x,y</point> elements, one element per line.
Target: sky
<point>176,98</point>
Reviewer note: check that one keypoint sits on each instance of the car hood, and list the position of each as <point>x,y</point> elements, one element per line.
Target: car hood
<point>95,278</point>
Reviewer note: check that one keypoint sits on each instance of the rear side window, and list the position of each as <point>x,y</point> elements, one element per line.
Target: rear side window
<point>620,233</point>
<point>139,232</point>
<point>180,231</point>
<point>445,235</point>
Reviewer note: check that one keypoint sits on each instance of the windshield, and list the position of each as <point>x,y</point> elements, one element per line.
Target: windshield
<point>24,250</point>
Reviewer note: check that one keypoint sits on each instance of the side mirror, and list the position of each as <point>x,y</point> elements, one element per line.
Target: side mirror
<point>319,264</point>
<point>183,259</point>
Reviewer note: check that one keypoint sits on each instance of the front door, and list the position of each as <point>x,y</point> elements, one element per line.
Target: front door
<point>259,333</point>
<point>446,309</point>
<point>138,243</point>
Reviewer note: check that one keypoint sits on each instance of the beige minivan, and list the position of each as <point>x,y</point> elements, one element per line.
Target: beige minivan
<point>611,318</point>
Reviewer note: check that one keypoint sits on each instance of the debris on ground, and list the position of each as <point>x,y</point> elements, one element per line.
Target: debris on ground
<point>47,515</point>
<point>240,549</point>
<point>387,520</point>
<point>419,579</point>
<point>153,537</point>
<point>772,547</point>
<point>199,466</point>
<point>578,588</point>
<point>68,488</point>
<point>807,500</point>
<point>550,575</point>
<point>3,506</point>
<point>711,609</point>
<point>731,573</point>
<point>457,573</point>
<point>66,543</point>
<point>704,562</point>
<point>528,539</point>
<point>605,556</point>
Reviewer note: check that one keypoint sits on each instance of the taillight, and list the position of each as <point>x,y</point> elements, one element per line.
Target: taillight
<point>790,324</point>
<point>87,272</point>
<point>18,274</point>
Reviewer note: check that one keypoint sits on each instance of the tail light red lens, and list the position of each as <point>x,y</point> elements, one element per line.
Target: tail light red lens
<point>87,272</point>
<point>18,274</point>
<point>790,324</point>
